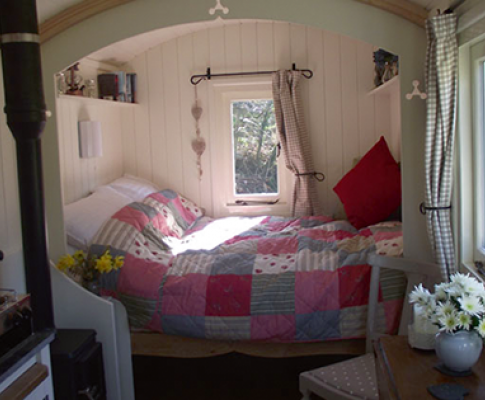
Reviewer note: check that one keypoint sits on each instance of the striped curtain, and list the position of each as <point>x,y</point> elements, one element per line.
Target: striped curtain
<point>295,142</point>
<point>441,83</point>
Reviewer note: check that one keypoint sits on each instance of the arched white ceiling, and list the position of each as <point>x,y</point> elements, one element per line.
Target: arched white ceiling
<point>49,8</point>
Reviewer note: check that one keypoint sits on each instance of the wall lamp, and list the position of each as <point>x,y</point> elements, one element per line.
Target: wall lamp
<point>90,139</point>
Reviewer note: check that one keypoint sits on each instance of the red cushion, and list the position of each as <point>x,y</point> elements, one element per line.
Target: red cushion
<point>371,191</point>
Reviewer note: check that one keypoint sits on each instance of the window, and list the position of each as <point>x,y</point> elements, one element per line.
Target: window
<point>473,150</point>
<point>255,148</point>
<point>247,173</point>
<point>479,158</point>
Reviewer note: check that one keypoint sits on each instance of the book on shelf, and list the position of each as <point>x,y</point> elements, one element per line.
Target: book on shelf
<point>117,86</point>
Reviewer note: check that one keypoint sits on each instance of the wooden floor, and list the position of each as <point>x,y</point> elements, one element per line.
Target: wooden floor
<point>228,377</point>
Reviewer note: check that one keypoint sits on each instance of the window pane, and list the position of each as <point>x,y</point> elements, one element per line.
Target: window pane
<point>255,147</point>
<point>480,191</point>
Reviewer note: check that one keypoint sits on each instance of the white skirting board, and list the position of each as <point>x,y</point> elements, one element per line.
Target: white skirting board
<point>77,308</point>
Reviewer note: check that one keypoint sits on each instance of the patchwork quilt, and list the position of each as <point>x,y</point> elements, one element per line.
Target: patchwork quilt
<point>262,279</point>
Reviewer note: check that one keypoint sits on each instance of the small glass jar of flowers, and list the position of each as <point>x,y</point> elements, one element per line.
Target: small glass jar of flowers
<point>87,269</point>
<point>458,309</point>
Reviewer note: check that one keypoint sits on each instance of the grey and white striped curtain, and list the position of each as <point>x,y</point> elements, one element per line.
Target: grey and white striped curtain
<point>441,83</point>
<point>295,142</point>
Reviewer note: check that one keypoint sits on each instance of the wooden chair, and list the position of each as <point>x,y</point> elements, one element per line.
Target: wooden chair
<point>356,379</point>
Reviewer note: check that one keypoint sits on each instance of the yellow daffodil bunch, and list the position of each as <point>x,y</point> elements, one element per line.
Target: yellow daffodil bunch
<point>89,268</point>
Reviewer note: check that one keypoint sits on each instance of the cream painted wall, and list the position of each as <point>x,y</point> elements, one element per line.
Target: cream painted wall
<point>346,17</point>
<point>343,120</point>
<point>11,268</point>
<point>79,176</point>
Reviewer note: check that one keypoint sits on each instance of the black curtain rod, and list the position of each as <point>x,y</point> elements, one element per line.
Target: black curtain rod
<point>196,79</point>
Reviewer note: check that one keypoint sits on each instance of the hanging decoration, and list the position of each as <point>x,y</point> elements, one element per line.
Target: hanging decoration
<point>416,92</point>
<point>198,144</point>
<point>219,7</point>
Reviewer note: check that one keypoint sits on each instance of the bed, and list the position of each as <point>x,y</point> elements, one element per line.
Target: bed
<point>238,280</point>
<point>248,280</point>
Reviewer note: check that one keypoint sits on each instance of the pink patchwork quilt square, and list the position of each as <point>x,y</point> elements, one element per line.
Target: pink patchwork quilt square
<point>277,328</point>
<point>316,291</point>
<point>184,295</point>
<point>283,245</point>
<point>141,278</point>
<point>188,211</point>
<point>160,198</point>
<point>133,217</point>
<point>354,281</point>
<point>326,236</point>
<point>229,295</point>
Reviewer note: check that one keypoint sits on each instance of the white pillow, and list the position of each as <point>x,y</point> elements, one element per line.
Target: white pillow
<point>83,218</point>
<point>133,187</point>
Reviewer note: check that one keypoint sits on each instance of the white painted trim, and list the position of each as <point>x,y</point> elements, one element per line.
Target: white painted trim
<point>464,184</point>
<point>471,17</point>
<point>222,92</point>
<point>96,102</point>
<point>478,89</point>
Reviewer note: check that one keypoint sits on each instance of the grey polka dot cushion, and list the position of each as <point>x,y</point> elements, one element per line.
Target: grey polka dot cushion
<point>356,377</point>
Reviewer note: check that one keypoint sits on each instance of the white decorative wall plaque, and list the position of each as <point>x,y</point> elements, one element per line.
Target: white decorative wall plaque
<point>218,7</point>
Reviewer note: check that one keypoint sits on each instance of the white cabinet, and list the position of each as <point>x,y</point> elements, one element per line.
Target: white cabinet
<point>32,379</point>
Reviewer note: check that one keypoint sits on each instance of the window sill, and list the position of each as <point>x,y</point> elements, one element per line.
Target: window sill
<point>469,267</point>
<point>281,209</point>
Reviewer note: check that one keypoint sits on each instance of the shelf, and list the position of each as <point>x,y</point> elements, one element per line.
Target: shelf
<point>90,100</point>
<point>386,87</point>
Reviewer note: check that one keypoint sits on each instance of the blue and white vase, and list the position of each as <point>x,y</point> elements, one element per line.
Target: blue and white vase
<point>458,351</point>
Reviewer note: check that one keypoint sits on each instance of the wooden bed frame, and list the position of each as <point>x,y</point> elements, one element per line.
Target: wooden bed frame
<point>157,344</point>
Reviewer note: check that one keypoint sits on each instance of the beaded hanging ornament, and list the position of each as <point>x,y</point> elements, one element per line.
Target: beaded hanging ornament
<point>198,144</point>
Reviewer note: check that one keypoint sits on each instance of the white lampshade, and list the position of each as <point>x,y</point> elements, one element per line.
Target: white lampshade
<point>90,139</point>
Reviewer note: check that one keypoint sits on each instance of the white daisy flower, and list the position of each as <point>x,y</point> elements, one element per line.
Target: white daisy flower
<point>481,328</point>
<point>419,295</point>
<point>449,322</point>
<point>454,289</point>
<point>465,320</point>
<point>445,309</point>
<point>440,294</point>
<point>430,309</point>
<point>471,305</point>
<point>442,286</point>
<point>471,285</point>
<point>460,279</point>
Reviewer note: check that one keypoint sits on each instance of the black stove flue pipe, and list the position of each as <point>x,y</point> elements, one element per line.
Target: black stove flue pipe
<point>26,116</point>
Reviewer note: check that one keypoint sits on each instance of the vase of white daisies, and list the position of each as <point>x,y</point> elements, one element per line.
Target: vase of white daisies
<point>458,309</point>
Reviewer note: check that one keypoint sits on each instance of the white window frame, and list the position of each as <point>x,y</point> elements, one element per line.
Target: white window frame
<point>478,91</point>
<point>221,94</point>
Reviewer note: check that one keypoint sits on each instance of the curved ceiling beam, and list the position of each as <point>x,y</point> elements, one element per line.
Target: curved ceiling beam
<point>87,8</point>
<point>73,15</point>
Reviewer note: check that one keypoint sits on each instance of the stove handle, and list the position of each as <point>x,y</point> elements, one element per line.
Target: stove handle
<point>1,255</point>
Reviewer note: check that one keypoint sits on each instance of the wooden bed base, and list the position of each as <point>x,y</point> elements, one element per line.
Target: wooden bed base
<point>161,345</point>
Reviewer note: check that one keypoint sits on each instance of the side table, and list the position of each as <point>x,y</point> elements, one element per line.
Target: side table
<point>405,373</point>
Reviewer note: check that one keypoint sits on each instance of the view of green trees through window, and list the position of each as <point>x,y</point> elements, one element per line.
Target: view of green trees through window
<point>255,147</point>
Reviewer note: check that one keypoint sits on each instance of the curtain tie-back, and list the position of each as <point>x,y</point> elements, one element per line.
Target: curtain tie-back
<point>317,175</point>
<point>423,208</point>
